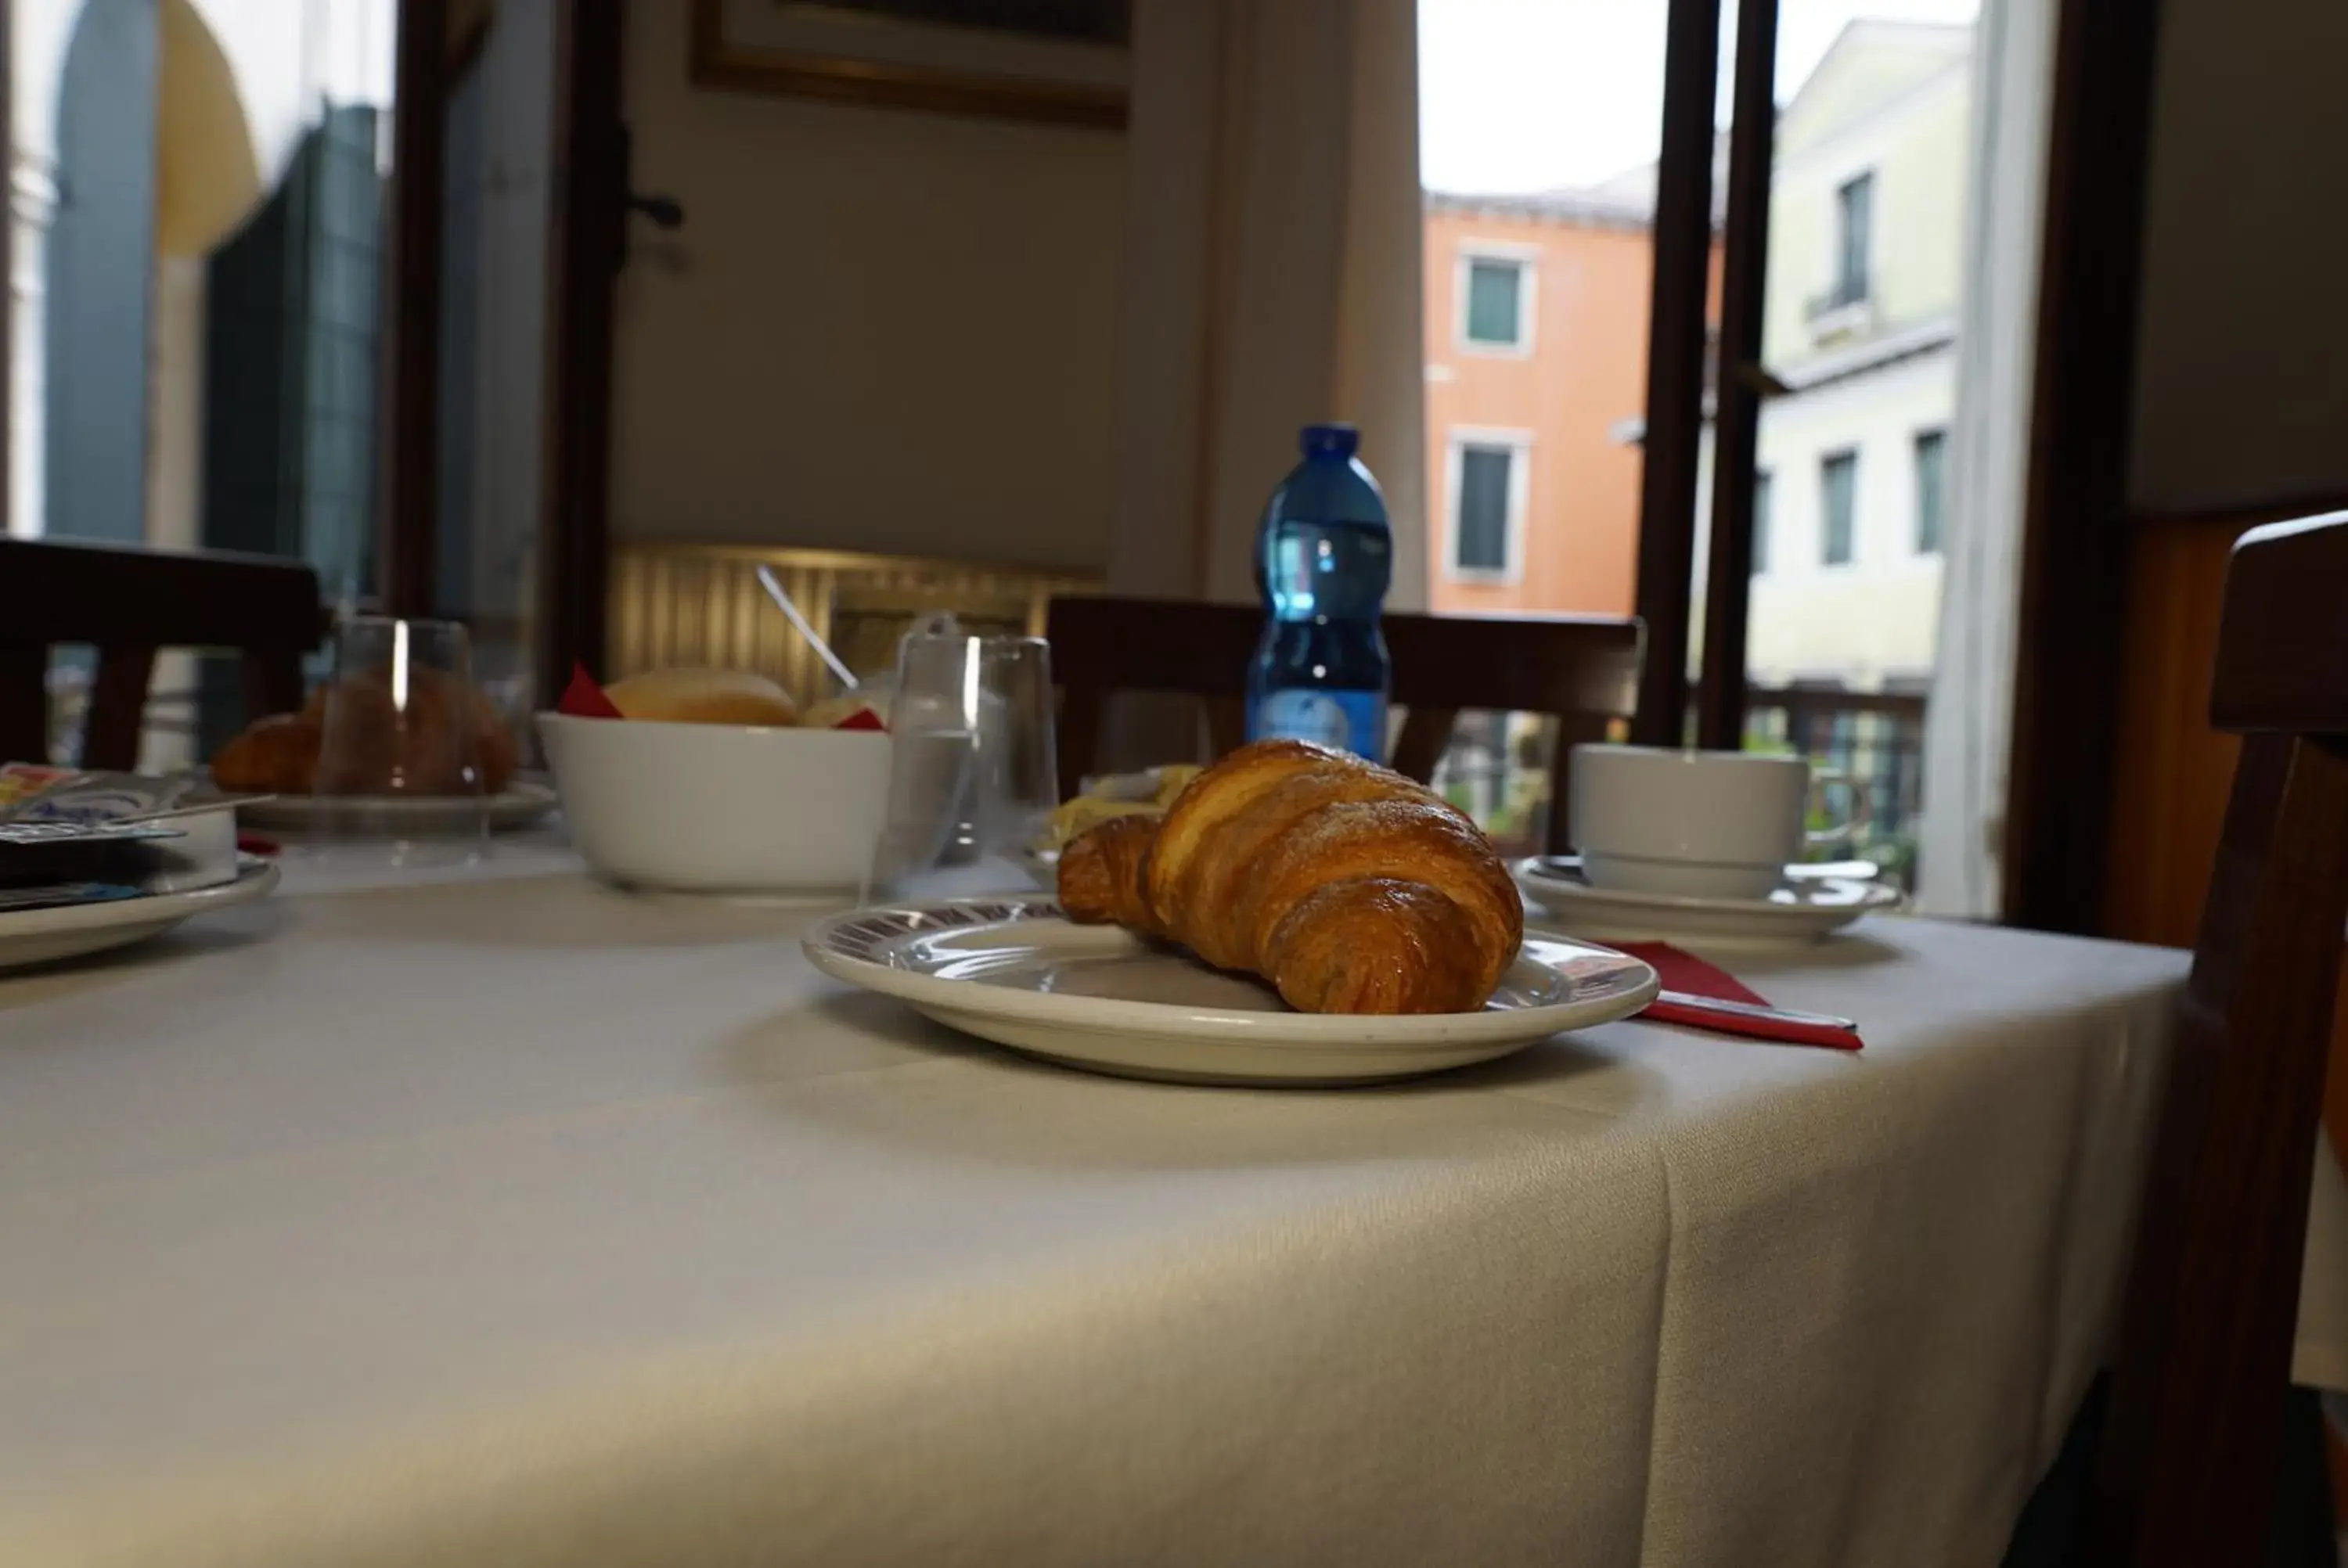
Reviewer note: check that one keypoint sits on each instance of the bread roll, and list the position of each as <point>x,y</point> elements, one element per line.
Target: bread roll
<point>703,697</point>
<point>1349,887</point>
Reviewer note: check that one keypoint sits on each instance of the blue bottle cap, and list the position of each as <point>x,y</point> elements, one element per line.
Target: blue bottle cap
<point>1329,440</point>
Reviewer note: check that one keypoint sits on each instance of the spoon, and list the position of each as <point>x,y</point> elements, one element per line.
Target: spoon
<point>766,580</point>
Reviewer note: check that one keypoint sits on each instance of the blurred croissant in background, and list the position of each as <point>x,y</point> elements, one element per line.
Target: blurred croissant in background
<point>446,734</point>
<point>1349,887</point>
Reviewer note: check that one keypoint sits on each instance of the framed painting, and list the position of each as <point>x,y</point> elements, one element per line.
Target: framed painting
<point>1062,61</point>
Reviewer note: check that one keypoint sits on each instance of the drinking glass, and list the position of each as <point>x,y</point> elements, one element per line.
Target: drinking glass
<point>972,774</point>
<point>405,737</point>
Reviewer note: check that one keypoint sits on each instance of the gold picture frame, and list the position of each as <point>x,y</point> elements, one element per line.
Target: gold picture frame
<point>758,46</point>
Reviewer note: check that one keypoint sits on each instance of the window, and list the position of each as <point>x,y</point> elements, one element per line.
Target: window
<point>1760,524</point>
<point>1488,506</point>
<point>1494,306</point>
<point>1931,489</point>
<point>1854,230</point>
<point>1838,506</point>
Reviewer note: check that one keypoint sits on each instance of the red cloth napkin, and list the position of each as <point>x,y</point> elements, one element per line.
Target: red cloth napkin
<point>255,843</point>
<point>863,719</point>
<point>1682,971</point>
<point>584,698</point>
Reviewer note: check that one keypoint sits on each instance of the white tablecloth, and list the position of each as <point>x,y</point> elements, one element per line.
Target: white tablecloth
<point>516,1222</point>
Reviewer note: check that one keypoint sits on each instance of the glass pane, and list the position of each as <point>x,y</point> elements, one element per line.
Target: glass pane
<point>494,268</point>
<point>200,193</point>
<point>1492,295</point>
<point>1760,524</point>
<point>1930,486</point>
<point>1838,504</point>
<point>1856,203</point>
<point>1538,126</point>
<point>1484,509</point>
<point>1866,263</point>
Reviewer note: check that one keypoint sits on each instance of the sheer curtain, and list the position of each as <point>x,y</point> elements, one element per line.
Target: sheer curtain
<point>1967,730</point>
<point>1272,277</point>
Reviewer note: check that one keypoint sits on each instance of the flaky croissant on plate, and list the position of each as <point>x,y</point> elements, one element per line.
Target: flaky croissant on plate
<point>1349,887</point>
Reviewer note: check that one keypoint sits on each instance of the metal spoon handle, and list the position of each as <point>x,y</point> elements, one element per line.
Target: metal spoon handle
<point>799,622</point>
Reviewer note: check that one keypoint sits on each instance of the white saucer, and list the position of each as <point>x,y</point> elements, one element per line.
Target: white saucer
<point>519,805</point>
<point>45,936</point>
<point>1016,971</point>
<point>1806,909</point>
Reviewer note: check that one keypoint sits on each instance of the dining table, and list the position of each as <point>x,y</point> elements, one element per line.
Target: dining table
<point>487,1214</point>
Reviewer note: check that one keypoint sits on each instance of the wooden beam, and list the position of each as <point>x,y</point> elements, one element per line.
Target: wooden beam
<point>2074,537</point>
<point>1675,351</point>
<point>590,217</point>
<point>1720,691</point>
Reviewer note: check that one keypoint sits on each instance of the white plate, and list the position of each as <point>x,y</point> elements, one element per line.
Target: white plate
<point>1805,910</point>
<point>519,805</point>
<point>44,935</point>
<point>1016,971</point>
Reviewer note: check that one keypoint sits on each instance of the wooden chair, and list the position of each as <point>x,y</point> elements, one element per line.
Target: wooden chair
<point>1582,670</point>
<point>2189,1453</point>
<point>131,603</point>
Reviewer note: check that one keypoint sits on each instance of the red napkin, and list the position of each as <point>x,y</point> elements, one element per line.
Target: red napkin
<point>255,843</point>
<point>1682,971</point>
<point>863,719</point>
<point>583,699</point>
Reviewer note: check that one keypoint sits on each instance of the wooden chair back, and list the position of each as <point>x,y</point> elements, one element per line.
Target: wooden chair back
<point>131,604</point>
<point>2190,1450</point>
<point>1581,670</point>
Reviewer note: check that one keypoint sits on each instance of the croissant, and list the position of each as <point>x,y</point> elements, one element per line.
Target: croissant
<point>1349,887</point>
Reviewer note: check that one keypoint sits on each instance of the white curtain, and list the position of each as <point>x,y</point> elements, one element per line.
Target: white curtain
<point>1968,730</point>
<point>1273,277</point>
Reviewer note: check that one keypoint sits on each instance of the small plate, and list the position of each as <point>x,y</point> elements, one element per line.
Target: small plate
<point>67,931</point>
<point>1807,909</point>
<point>1018,972</point>
<point>519,805</point>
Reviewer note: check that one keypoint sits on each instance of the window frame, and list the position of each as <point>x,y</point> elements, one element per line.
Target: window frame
<point>1936,437</point>
<point>1526,259</point>
<point>1844,290</point>
<point>1518,443</point>
<point>1827,462</point>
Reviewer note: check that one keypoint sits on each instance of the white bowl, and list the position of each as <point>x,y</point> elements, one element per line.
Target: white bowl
<point>720,808</point>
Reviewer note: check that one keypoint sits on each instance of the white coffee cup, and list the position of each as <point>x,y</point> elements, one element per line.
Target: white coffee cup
<point>1706,824</point>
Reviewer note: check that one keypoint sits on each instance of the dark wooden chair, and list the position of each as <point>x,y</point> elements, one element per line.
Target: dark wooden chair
<point>2189,1453</point>
<point>131,604</point>
<point>1583,670</point>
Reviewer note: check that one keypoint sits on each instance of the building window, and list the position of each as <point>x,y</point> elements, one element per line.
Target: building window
<point>1932,488</point>
<point>1760,524</point>
<point>1838,506</point>
<point>1488,487</point>
<point>1495,307</point>
<point>1854,230</point>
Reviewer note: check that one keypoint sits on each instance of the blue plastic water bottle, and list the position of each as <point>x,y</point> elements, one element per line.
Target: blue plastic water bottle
<point>1324,561</point>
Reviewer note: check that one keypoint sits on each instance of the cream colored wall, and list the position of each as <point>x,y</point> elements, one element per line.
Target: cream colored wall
<point>2241,398</point>
<point>1916,149</point>
<point>1875,617</point>
<point>878,330</point>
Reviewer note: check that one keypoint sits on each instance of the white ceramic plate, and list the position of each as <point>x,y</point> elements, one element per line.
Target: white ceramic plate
<point>1016,971</point>
<point>1805,910</point>
<point>519,805</point>
<point>44,935</point>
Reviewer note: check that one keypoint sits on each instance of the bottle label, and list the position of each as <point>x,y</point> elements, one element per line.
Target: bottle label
<point>1350,720</point>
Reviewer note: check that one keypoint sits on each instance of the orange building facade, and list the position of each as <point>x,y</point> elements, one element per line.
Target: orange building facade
<point>1536,327</point>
